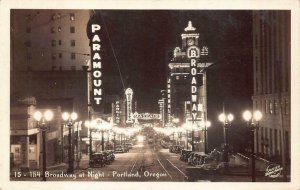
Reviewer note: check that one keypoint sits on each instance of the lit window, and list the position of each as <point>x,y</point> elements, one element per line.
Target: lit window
<point>72,16</point>
<point>53,56</point>
<point>59,29</point>
<point>275,106</point>
<point>72,42</point>
<point>53,17</point>
<point>286,106</point>
<point>73,56</point>
<point>52,29</point>
<point>28,17</point>
<point>72,29</point>
<point>177,77</point>
<point>271,107</point>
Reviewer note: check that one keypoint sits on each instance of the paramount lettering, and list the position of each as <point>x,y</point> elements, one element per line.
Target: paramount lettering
<point>96,63</point>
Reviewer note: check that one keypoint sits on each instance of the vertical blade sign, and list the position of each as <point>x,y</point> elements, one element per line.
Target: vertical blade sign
<point>96,67</point>
<point>193,54</point>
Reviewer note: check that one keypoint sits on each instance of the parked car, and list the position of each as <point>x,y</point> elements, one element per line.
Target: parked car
<point>98,159</point>
<point>109,156</point>
<point>185,155</point>
<point>119,149</point>
<point>130,145</point>
<point>111,152</point>
<point>175,148</point>
<point>197,158</point>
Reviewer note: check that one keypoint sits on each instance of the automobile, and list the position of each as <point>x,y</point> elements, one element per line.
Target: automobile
<point>111,152</point>
<point>98,159</point>
<point>197,158</point>
<point>175,148</point>
<point>109,157</point>
<point>119,149</point>
<point>130,145</point>
<point>185,155</point>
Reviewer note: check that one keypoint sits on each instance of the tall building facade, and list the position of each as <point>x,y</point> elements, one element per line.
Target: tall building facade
<point>49,57</point>
<point>49,39</point>
<point>181,78</point>
<point>272,81</point>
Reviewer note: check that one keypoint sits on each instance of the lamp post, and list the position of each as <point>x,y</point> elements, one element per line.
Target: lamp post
<point>70,119</point>
<point>253,124</point>
<point>226,120</point>
<point>41,119</point>
<point>175,121</point>
<point>204,126</point>
<point>89,125</point>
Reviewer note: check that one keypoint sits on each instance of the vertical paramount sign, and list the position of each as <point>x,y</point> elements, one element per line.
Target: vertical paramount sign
<point>96,64</point>
<point>193,54</point>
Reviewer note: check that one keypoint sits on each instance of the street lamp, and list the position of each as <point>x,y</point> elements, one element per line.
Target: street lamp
<point>204,126</point>
<point>251,119</point>
<point>175,121</point>
<point>226,120</point>
<point>70,120</point>
<point>90,128</point>
<point>41,119</point>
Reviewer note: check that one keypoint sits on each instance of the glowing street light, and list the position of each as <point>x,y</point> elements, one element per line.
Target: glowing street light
<point>70,120</point>
<point>42,119</point>
<point>226,120</point>
<point>253,124</point>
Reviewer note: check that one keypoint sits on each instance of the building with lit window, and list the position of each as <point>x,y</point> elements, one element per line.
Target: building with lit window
<point>49,55</point>
<point>49,39</point>
<point>178,94</point>
<point>272,84</point>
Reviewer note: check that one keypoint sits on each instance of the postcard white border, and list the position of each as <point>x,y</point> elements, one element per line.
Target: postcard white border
<point>6,5</point>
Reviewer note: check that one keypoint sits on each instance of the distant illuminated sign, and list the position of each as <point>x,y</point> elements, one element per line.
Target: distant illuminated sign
<point>169,100</point>
<point>193,53</point>
<point>129,94</point>
<point>117,112</point>
<point>204,50</point>
<point>161,103</point>
<point>96,67</point>
<point>146,116</point>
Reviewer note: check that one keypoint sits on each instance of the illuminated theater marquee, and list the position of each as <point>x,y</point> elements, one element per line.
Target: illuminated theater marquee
<point>96,64</point>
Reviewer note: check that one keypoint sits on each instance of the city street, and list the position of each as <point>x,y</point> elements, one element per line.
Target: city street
<point>143,162</point>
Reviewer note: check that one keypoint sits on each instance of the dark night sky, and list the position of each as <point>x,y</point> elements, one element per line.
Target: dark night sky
<point>142,40</point>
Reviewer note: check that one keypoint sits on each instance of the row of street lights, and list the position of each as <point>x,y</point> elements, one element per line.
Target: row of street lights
<point>43,119</point>
<point>252,120</point>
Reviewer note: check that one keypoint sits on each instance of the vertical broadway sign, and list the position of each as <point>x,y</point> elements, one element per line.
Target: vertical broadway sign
<point>193,54</point>
<point>96,67</point>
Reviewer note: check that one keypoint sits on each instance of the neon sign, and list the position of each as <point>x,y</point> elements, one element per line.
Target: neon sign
<point>96,68</point>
